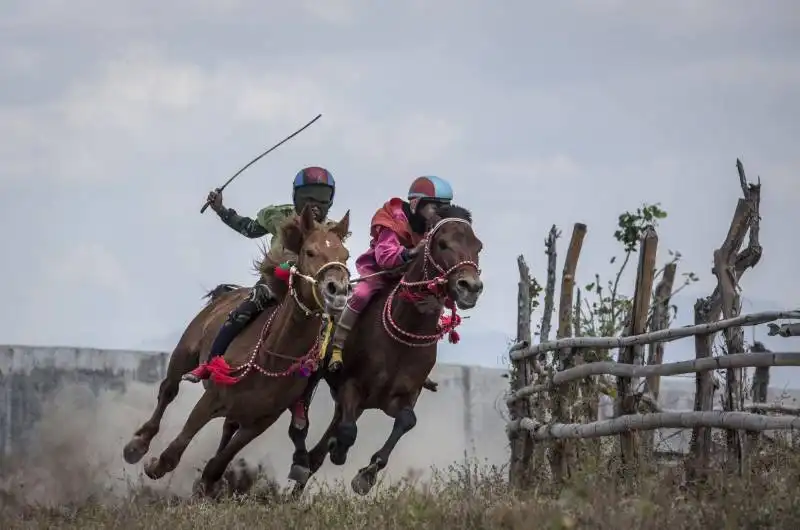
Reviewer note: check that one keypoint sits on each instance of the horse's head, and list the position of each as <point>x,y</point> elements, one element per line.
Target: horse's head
<point>321,259</point>
<point>453,250</point>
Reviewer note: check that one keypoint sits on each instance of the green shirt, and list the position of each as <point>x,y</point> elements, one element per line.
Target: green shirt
<point>267,222</point>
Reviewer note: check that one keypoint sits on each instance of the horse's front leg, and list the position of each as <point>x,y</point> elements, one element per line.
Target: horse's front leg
<point>402,409</point>
<point>349,400</point>
<point>301,469</point>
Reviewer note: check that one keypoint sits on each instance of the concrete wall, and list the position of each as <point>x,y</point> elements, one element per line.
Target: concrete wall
<point>86,403</point>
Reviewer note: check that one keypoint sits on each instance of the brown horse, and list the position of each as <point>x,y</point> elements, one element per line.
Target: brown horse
<point>286,335</point>
<point>392,348</point>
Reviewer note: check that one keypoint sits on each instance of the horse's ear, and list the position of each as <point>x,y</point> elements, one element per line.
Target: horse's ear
<point>292,235</point>
<point>307,221</point>
<point>342,228</point>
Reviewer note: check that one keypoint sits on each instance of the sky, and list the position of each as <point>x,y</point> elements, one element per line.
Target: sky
<point>117,118</point>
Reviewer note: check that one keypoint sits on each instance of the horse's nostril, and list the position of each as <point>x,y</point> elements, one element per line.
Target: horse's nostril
<point>331,288</point>
<point>470,286</point>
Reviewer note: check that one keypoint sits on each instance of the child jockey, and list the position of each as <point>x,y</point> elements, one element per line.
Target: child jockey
<point>314,186</point>
<point>397,230</point>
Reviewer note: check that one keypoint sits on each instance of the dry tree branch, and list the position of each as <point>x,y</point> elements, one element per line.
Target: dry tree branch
<point>667,335</point>
<point>659,420</point>
<point>738,360</point>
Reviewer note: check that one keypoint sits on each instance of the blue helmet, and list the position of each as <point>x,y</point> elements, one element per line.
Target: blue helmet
<point>432,188</point>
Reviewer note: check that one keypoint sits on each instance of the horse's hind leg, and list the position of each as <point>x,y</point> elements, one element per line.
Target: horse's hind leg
<point>215,468</point>
<point>182,360</point>
<point>204,411</point>
<point>228,430</point>
<point>404,420</point>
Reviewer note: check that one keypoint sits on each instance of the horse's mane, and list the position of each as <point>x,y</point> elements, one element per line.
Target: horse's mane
<point>266,264</point>
<point>455,211</point>
<point>219,290</point>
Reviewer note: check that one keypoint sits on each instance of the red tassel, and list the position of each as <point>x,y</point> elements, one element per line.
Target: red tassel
<point>220,372</point>
<point>283,274</point>
<point>454,337</point>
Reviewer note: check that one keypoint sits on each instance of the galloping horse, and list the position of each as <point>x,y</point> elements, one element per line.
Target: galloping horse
<point>287,335</point>
<point>392,348</point>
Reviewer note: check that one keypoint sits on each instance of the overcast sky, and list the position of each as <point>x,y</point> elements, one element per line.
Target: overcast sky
<point>116,118</point>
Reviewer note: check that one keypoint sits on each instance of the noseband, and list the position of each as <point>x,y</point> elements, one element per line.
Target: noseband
<point>435,286</point>
<point>314,281</point>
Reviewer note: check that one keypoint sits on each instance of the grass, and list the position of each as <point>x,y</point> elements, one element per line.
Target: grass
<point>465,496</point>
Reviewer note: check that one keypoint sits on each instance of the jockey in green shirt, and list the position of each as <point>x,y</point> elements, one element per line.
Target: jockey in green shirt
<point>314,186</point>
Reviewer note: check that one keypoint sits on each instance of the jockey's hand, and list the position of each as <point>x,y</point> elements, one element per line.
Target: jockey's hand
<point>215,200</point>
<point>417,250</point>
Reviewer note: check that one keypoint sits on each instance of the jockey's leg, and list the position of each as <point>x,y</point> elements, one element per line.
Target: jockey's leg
<point>358,301</point>
<point>259,298</point>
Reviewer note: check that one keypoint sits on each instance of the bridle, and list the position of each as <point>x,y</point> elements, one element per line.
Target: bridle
<point>314,281</point>
<point>435,286</point>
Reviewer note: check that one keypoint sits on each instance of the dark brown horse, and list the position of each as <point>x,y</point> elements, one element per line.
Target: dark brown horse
<point>392,348</point>
<point>269,352</point>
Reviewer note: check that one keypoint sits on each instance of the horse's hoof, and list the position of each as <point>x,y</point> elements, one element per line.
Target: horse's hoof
<point>135,449</point>
<point>201,489</point>
<point>299,474</point>
<point>338,457</point>
<point>362,482</point>
<point>151,469</point>
<point>297,491</point>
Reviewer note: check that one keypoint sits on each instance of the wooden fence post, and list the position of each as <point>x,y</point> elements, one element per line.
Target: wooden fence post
<point>632,355</point>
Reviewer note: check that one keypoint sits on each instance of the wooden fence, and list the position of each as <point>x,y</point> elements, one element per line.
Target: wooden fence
<point>548,392</point>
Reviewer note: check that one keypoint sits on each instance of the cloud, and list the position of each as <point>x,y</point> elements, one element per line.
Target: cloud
<point>87,266</point>
<point>118,119</point>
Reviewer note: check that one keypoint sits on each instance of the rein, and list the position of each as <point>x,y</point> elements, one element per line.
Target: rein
<point>435,286</point>
<point>307,363</point>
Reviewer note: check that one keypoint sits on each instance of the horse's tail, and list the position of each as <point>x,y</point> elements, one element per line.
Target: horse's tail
<point>219,290</point>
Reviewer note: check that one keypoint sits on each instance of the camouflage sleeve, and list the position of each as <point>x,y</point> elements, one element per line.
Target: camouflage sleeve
<point>244,225</point>
<point>271,218</point>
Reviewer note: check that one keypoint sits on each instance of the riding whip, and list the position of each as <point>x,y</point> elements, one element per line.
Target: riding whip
<point>256,159</point>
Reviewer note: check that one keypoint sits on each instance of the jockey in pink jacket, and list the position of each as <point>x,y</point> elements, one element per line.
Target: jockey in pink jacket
<point>397,231</point>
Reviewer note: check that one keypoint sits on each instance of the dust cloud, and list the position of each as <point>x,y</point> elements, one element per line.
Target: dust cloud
<point>75,450</point>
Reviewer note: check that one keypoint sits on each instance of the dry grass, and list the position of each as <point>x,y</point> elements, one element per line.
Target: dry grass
<point>466,497</point>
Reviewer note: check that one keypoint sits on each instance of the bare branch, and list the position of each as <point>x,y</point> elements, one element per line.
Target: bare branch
<point>658,420</point>
<point>667,335</point>
<point>550,289</point>
<point>778,409</point>
<point>660,321</point>
<point>739,360</point>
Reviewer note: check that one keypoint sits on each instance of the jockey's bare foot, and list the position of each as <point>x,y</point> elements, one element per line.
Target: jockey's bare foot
<point>431,385</point>
<point>198,374</point>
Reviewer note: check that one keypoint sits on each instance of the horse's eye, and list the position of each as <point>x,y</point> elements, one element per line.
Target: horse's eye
<point>442,244</point>
<point>310,253</point>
